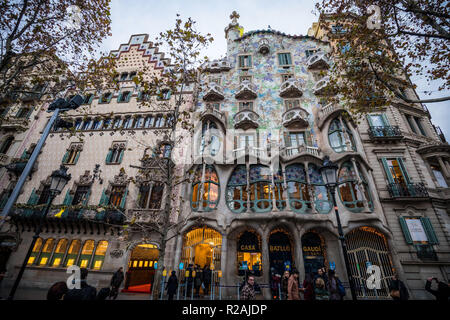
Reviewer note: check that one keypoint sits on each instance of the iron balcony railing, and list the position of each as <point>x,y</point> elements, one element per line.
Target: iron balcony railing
<point>411,190</point>
<point>385,132</point>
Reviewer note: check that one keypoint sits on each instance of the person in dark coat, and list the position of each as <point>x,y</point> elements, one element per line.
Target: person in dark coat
<point>57,291</point>
<point>308,287</point>
<point>86,292</point>
<point>116,281</point>
<point>321,273</point>
<point>206,278</point>
<point>189,280</point>
<point>198,280</point>
<point>398,289</point>
<point>443,290</point>
<point>333,286</point>
<point>284,285</point>
<point>172,285</point>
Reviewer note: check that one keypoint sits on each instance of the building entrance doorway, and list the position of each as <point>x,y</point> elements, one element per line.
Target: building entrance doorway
<point>280,251</point>
<point>141,268</point>
<point>202,247</point>
<point>313,248</point>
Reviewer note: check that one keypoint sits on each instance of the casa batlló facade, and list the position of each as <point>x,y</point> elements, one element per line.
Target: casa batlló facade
<point>252,197</point>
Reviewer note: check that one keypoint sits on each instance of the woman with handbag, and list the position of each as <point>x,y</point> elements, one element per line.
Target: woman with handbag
<point>397,289</point>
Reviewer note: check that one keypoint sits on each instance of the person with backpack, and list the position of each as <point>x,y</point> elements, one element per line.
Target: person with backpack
<point>334,286</point>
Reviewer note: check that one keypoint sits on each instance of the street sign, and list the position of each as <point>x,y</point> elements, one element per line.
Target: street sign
<point>287,265</point>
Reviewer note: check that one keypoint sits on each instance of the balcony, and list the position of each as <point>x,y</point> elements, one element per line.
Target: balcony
<point>18,124</point>
<point>318,61</point>
<point>291,88</point>
<point>289,153</point>
<point>213,114</point>
<point>148,216</point>
<point>263,46</point>
<point>217,65</point>
<point>321,87</point>
<point>385,133</point>
<point>260,153</point>
<point>295,118</point>
<point>214,92</point>
<point>246,91</point>
<point>410,191</point>
<point>246,119</point>
<point>3,159</point>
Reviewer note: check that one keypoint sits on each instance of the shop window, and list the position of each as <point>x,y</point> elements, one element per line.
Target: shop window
<point>46,252</point>
<point>72,254</point>
<point>58,255</point>
<point>35,252</point>
<point>86,254</point>
<point>205,189</point>
<point>100,253</point>
<point>249,256</point>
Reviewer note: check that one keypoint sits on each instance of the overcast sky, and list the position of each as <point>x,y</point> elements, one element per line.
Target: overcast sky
<point>288,16</point>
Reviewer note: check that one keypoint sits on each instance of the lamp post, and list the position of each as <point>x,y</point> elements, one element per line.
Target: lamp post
<point>59,179</point>
<point>329,171</point>
<point>59,105</point>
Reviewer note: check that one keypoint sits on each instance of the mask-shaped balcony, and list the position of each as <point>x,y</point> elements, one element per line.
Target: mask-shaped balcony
<point>321,87</point>
<point>214,92</point>
<point>318,61</point>
<point>217,65</point>
<point>4,159</point>
<point>295,118</point>
<point>246,119</point>
<point>291,88</point>
<point>263,46</point>
<point>211,113</point>
<point>246,91</point>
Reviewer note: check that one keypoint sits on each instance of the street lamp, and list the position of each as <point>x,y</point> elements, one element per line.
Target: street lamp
<point>59,105</point>
<point>59,179</point>
<point>329,172</point>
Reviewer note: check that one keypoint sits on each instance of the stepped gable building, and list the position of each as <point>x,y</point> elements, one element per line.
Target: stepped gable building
<point>252,199</point>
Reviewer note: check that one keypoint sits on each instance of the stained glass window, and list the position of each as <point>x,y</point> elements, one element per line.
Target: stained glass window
<point>207,197</point>
<point>298,190</point>
<point>322,198</point>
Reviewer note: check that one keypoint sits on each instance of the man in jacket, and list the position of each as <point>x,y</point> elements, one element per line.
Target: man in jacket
<point>206,278</point>
<point>86,292</point>
<point>116,281</point>
<point>443,290</point>
<point>248,291</point>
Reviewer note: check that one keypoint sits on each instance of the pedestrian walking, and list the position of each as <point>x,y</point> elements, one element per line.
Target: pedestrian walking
<point>86,292</point>
<point>284,285</point>
<point>275,283</point>
<point>190,280</point>
<point>206,278</point>
<point>198,280</point>
<point>172,285</point>
<point>248,291</point>
<point>397,289</point>
<point>443,290</point>
<point>333,286</point>
<point>116,282</point>
<point>320,291</point>
<point>308,287</point>
<point>57,291</point>
<point>293,291</point>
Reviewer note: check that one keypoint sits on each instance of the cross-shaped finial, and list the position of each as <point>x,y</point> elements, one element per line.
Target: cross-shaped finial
<point>234,16</point>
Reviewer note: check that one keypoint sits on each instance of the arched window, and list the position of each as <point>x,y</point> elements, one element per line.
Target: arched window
<point>205,196</point>
<point>60,250</point>
<point>6,145</point>
<point>46,251</point>
<point>210,143</point>
<point>322,198</point>
<point>337,136</point>
<point>86,253</point>
<point>280,196</point>
<point>36,250</point>
<point>100,253</point>
<point>260,188</point>
<point>353,194</point>
<point>298,193</point>
<point>237,193</point>
<point>72,254</point>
